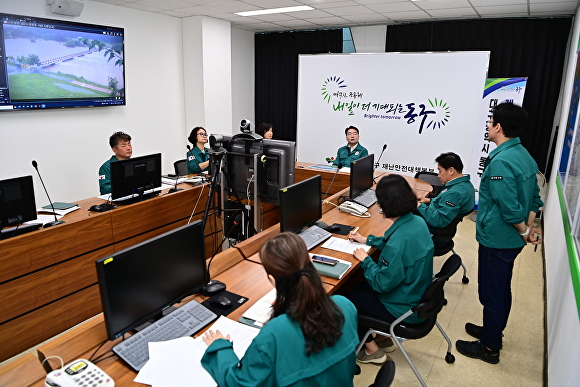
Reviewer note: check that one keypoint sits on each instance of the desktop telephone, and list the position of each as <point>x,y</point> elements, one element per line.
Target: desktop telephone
<point>80,372</point>
<point>354,209</point>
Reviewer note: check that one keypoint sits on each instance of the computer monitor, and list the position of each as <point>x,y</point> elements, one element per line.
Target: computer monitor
<point>17,204</point>
<point>301,204</point>
<point>138,283</point>
<point>275,168</point>
<point>361,175</point>
<point>135,175</point>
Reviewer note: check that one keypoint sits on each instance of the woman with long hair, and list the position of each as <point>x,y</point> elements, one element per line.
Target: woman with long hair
<point>397,280</point>
<point>310,338</point>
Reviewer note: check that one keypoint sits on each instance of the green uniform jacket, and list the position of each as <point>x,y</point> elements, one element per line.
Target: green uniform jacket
<point>344,156</point>
<point>404,269</point>
<point>105,176</point>
<point>196,157</point>
<point>507,193</point>
<point>276,357</point>
<point>458,197</point>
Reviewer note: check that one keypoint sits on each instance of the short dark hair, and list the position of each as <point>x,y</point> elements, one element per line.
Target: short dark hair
<point>513,118</point>
<point>193,135</point>
<point>349,128</point>
<point>118,136</point>
<point>448,160</point>
<point>263,128</point>
<point>395,196</point>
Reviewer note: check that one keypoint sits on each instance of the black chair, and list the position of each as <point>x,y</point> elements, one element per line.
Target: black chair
<point>385,375</point>
<point>433,179</point>
<point>180,167</point>
<point>430,305</point>
<point>444,237</point>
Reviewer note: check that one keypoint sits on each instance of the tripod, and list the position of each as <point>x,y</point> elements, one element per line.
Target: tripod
<point>216,157</point>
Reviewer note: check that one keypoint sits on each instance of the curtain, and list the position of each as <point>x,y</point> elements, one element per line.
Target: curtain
<point>276,67</point>
<point>533,48</point>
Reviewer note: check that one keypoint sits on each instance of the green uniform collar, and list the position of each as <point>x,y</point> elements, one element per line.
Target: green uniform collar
<point>458,180</point>
<point>402,220</point>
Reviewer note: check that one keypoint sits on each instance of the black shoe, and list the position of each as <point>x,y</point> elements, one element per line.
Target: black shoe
<point>477,331</point>
<point>475,350</point>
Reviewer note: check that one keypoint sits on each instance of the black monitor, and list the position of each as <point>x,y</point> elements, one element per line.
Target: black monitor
<point>361,175</point>
<point>17,204</point>
<point>136,175</point>
<point>138,283</point>
<point>301,204</point>
<point>275,168</point>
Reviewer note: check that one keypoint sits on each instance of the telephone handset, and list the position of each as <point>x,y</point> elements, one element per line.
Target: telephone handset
<point>354,209</point>
<point>80,372</point>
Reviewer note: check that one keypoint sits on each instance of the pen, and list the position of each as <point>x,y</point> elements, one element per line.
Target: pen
<point>352,233</point>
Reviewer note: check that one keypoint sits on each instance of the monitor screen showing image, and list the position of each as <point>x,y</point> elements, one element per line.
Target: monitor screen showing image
<point>46,63</point>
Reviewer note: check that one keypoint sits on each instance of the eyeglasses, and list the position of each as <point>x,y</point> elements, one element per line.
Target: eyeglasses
<point>202,134</point>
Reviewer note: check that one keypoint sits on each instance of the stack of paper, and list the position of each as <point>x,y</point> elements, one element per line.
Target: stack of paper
<point>259,313</point>
<point>178,362</point>
<point>344,245</point>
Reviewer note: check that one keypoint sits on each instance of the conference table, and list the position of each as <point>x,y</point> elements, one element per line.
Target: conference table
<point>95,235</point>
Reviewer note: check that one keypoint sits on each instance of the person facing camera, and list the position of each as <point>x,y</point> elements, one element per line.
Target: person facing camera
<point>198,156</point>
<point>396,282</point>
<point>265,130</point>
<point>310,339</point>
<point>121,146</point>
<point>352,151</point>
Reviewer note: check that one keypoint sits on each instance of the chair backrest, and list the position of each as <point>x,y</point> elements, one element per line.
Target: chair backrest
<point>433,298</point>
<point>385,375</point>
<point>180,167</point>
<point>433,179</point>
<point>448,232</point>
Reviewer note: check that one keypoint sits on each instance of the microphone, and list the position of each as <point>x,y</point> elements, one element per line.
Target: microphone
<point>56,221</point>
<point>175,189</point>
<point>381,155</point>
<point>339,166</point>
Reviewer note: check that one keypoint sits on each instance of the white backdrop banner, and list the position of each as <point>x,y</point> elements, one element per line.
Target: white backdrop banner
<point>419,104</point>
<point>497,90</point>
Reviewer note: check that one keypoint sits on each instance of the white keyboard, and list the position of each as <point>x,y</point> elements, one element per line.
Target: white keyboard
<point>313,236</point>
<point>366,198</point>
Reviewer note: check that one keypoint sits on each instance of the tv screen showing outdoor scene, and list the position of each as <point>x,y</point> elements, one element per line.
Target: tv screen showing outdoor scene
<point>46,63</point>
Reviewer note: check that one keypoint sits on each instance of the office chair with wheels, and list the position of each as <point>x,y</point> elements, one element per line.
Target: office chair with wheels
<point>385,375</point>
<point>433,179</point>
<point>430,305</point>
<point>445,237</point>
<point>180,167</point>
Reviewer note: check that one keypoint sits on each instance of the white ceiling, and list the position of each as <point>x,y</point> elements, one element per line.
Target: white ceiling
<point>348,13</point>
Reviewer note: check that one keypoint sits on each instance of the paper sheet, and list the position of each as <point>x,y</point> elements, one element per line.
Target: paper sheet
<point>178,362</point>
<point>344,245</point>
<point>261,311</point>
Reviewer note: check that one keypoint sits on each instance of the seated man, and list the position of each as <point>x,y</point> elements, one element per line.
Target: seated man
<point>121,145</point>
<point>352,150</point>
<point>456,198</point>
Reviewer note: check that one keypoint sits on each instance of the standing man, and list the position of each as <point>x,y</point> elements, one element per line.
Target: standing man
<point>352,150</point>
<point>509,198</point>
<point>121,145</point>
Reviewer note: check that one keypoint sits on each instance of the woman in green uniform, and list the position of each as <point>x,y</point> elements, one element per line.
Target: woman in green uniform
<point>403,271</point>
<point>198,156</point>
<point>310,339</point>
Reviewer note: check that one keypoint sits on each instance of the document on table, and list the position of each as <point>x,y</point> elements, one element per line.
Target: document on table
<point>344,245</point>
<point>178,362</point>
<point>261,311</point>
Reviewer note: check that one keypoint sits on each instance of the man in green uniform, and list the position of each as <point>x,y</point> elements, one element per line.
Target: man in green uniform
<point>121,145</point>
<point>353,150</point>
<point>508,201</point>
<point>456,198</point>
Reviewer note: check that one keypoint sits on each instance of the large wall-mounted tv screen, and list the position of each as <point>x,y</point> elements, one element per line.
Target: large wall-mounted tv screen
<point>46,63</point>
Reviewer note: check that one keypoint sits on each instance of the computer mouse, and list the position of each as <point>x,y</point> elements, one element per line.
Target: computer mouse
<point>221,302</point>
<point>333,229</point>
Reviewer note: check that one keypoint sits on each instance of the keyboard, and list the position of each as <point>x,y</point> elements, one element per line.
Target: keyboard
<point>313,236</point>
<point>183,321</point>
<point>22,229</point>
<point>366,198</point>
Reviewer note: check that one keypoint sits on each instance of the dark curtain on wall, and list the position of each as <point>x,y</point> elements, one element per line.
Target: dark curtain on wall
<point>276,66</point>
<point>533,48</point>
